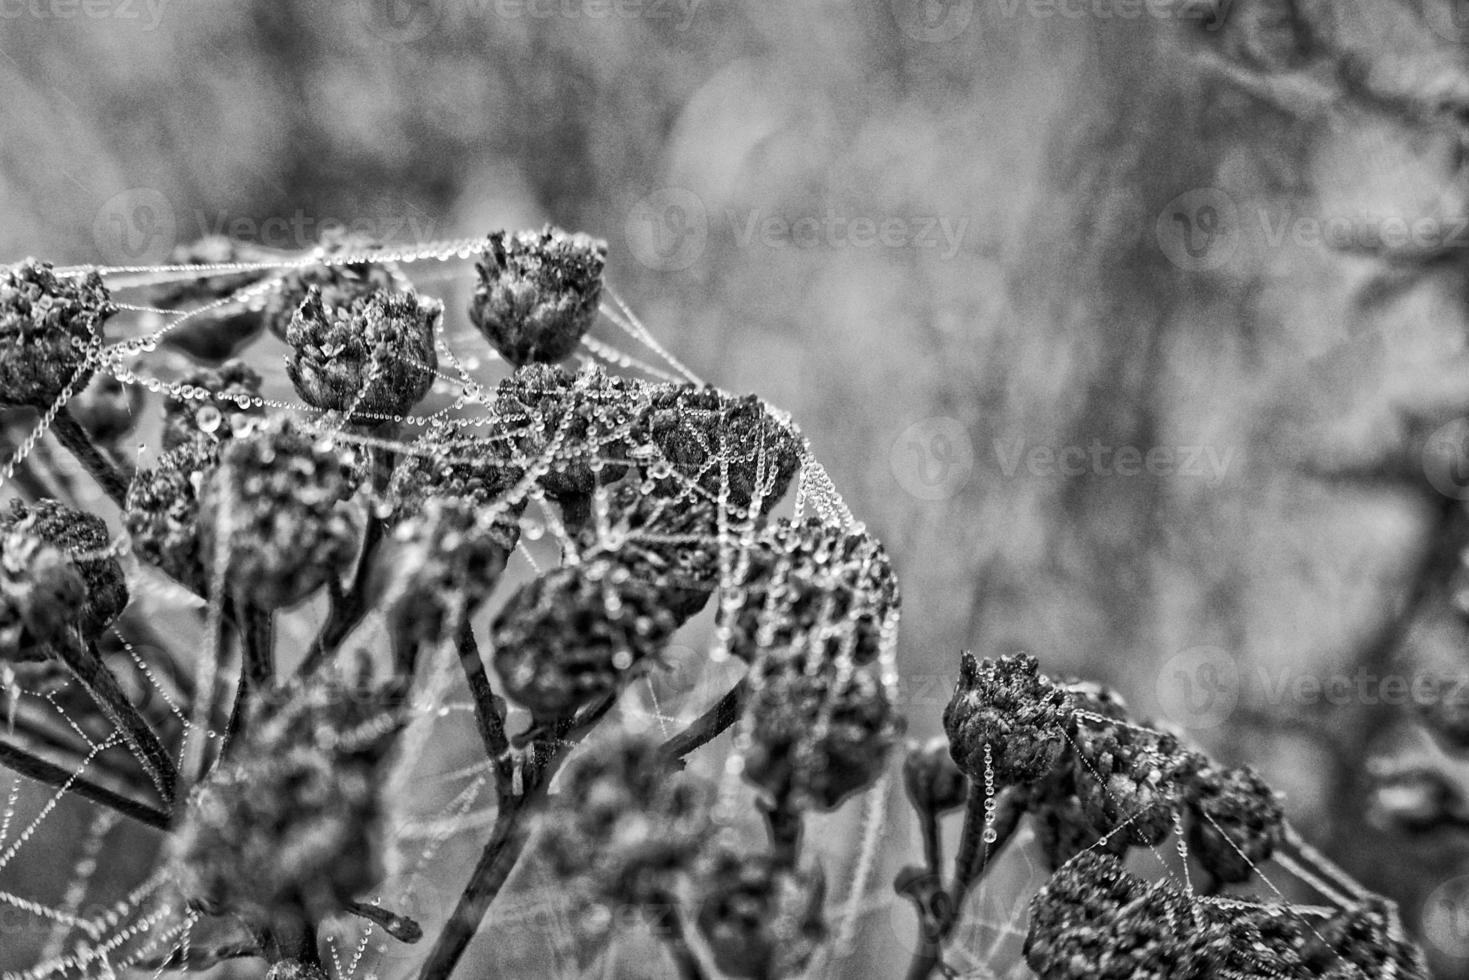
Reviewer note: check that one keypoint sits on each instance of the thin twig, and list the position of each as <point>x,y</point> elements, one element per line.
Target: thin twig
<point>488,709</point>
<point>502,851</point>
<point>20,761</point>
<point>78,441</point>
<point>970,864</point>
<point>711,724</point>
<point>85,663</point>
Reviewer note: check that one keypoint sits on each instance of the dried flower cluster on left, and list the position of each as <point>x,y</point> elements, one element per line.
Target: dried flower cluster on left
<point>605,512</point>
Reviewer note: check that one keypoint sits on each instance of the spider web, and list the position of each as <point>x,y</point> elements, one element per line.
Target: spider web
<point>148,931</point>
<point>442,792</point>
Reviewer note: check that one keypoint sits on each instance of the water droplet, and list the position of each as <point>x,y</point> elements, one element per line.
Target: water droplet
<point>208,418</point>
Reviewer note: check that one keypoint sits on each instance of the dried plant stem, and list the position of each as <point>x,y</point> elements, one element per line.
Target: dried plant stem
<point>349,607</point>
<point>41,732</point>
<point>711,724</point>
<point>488,709</point>
<point>85,664</point>
<point>257,665</point>
<point>939,918</point>
<point>20,761</point>
<point>69,433</point>
<point>190,959</point>
<point>539,762</point>
<point>400,927</point>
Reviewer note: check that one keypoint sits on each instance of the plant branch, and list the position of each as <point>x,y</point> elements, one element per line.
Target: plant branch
<point>711,724</point>
<point>400,927</point>
<point>489,710</point>
<point>85,664</point>
<point>348,608</point>
<point>538,763</point>
<point>78,441</point>
<point>939,917</point>
<point>33,767</point>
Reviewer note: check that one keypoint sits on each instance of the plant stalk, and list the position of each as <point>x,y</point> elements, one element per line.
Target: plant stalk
<point>33,767</point>
<point>508,838</point>
<point>71,434</point>
<point>85,664</point>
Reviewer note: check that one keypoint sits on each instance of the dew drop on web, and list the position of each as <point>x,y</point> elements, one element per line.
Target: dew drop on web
<point>208,418</point>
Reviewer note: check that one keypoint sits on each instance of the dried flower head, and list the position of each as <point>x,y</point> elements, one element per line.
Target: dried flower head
<point>277,505</point>
<point>818,738</point>
<point>1235,821</point>
<point>162,514</point>
<point>1130,780</point>
<point>440,565</point>
<point>575,634</point>
<point>107,408</point>
<point>1363,942</point>
<point>670,545</point>
<point>292,822</point>
<point>621,827</point>
<point>1008,707</point>
<point>733,448</point>
<point>815,590</point>
<point>1095,921</point>
<point>40,591</point>
<point>228,401</point>
<point>1063,825</point>
<point>340,282</point>
<point>47,322</point>
<point>448,463</point>
<point>573,430</point>
<point>1247,938</point>
<point>372,357</point>
<point>538,293</point>
<point>761,918</point>
<point>83,539</point>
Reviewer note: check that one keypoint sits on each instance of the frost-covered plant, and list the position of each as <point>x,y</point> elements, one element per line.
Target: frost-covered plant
<point>302,575</point>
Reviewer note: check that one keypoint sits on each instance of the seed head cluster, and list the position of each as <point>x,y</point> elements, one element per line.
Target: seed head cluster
<point>277,504</point>
<point>537,293</point>
<point>293,822</point>
<point>372,358</point>
<point>47,324</point>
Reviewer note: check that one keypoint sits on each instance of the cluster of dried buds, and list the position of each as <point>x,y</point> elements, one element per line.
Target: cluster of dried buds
<point>662,496</point>
<point>1094,783</point>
